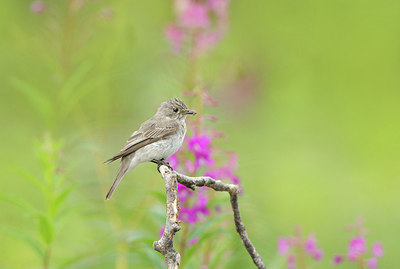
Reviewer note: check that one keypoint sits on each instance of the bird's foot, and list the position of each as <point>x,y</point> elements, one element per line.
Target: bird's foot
<point>162,162</point>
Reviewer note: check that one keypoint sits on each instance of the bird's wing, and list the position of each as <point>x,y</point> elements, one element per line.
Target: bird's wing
<point>149,132</point>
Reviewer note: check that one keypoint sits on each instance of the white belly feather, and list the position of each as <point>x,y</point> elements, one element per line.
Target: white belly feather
<point>161,149</point>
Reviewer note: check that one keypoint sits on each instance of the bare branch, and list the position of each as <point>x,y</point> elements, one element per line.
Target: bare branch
<point>243,234</point>
<point>165,244</point>
<point>217,185</point>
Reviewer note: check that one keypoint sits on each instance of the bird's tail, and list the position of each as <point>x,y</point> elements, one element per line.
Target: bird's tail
<point>123,169</point>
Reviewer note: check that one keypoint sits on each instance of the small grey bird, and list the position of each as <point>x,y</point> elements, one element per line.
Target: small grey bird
<point>157,139</point>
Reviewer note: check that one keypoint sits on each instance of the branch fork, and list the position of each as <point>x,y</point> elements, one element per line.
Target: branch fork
<point>165,244</point>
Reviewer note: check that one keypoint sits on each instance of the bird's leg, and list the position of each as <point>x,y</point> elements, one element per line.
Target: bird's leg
<point>155,161</point>
<point>164,162</point>
<point>161,162</point>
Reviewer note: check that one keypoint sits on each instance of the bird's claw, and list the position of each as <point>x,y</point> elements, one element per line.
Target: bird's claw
<point>160,163</point>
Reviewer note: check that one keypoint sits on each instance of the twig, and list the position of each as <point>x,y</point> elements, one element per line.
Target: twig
<point>217,185</point>
<point>165,244</point>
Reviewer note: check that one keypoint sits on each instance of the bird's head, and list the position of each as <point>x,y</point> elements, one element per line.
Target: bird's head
<point>175,109</point>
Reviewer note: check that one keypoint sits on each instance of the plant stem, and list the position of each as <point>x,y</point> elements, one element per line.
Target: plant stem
<point>183,241</point>
<point>361,262</point>
<point>121,261</point>
<point>207,253</point>
<point>46,259</point>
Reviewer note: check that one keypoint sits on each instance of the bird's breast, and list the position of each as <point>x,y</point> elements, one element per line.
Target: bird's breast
<point>164,148</point>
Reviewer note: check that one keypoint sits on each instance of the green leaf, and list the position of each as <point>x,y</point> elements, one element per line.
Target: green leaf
<point>158,214</point>
<point>218,256</point>
<point>203,232</point>
<point>154,258</point>
<point>39,184</point>
<point>33,243</point>
<point>132,236</point>
<point>74,81</point>
<point>46,228</point>
<point>59,200</point>
<point>74,99</point>
<point>202,228</point>
<point>39,101</point>
<point>161,196</point>
<point>19,202</point>
<point>217,201</point>
<point>192,250</point>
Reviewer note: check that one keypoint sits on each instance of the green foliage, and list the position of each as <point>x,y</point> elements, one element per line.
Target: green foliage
<point>49,184</point>
<point>317,139</point>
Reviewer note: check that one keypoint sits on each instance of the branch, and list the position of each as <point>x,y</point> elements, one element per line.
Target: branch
<point>165,244</point>
<point>217,185</point>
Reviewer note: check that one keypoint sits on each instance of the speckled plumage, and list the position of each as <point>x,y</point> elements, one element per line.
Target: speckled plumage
<point>157,139</point>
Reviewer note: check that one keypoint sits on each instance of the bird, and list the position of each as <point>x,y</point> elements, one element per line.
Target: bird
<point>156,139</point>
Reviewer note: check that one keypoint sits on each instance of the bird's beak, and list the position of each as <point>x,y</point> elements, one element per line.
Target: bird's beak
<point>188,111</point>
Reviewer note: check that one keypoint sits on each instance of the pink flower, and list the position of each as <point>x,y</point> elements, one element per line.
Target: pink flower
<point>173,161</point>
<point>311,247</point>
<point>193,241</point>
<point>161,232</point>
<point>194,16</point>
<point>184,193</point>
<point>377,250</point>
<point>200,146</point>
<point>226,171</point>
<point>356,248</point>
<point>190,167</point>
<point>372,263</point>
<point>208,100</point>
<point>37,7</point>
<point>310,244</point>
<point>220,7</point>
<point>176,36</point>
<point>317,254</point>
<point>195,213</point>
<point>291,263</point>
<point>206,40</point>
<point>338,259</point>
<point>283,245</point>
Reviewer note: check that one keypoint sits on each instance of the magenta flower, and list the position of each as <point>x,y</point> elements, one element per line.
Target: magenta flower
<point>310,244</point>
<point>194,16</point>
<point>291,262</point>
<point>377,250</point>
<point>203,22</point>
<point>176,36</point>
<point>200,146</point>
<point>338,259</point>
<point>193,241</point>
<point>195,213</point>
<point>226,171</point>
<point>317,254</point>
<point>173,161</point>
<point>311,248</point>
<point>283,245</point>
<point>206,40</point>
<point>294,245</point>
<point>220,7</point>
<point>184,193</point>
<point>356,248</point>
<point>190,167</point>
<point>37,7</point>
<point>372,263</point>
<point>161,232</point>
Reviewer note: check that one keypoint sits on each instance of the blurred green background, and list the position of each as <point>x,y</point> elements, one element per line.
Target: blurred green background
<point>318,143</point>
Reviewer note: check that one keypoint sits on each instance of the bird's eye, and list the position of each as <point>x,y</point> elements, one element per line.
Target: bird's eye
<point>175,109</point>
